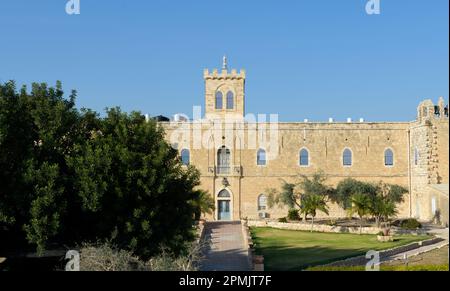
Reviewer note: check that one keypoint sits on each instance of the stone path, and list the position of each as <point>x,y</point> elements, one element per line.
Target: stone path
<point>437,231</point>
<point>226,250</point>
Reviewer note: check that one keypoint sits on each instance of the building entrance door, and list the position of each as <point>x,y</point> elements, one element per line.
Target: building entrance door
<point>224,210</point>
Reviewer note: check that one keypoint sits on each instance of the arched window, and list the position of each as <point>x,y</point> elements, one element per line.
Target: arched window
<point>304,158</point>
<point>223,160</point>
<point>261,158</point>
<point>416,156</point>
<point>224,194</point>
<point>219,100</point>
<point>230,100</point>
<point>347,158</point>
<point>262,202</point>
<point>185,157</point>
<point>388,157</point>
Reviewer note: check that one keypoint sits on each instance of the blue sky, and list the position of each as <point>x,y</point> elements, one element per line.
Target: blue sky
<point>304,58</point>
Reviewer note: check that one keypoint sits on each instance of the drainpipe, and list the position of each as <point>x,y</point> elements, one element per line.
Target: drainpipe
<point>409,173</point>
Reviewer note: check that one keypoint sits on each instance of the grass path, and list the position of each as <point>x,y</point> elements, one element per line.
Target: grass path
<point>289,250</point>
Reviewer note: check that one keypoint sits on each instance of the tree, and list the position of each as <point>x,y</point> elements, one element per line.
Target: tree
<point>295,195</point>
<point>382,199</point>
<point>311,204</point>
<point>204,204</point>
<point>361,205</point>
<point>287,196</point>
<point>63,169</point>
<point>313,189</point>
<point>382,209</point>
<point>384,204</point>
<point>133,188</point>
<point>349,187</point>
<point>36,133</point>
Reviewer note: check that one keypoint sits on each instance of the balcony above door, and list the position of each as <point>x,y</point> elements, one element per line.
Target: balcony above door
<point>232,171</point>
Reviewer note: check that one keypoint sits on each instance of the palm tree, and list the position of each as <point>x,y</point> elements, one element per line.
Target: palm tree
<point>388,210</point>
<point>204,204</point>
<point>294,195</point>
<point>361,205</point>
<point>382,209</point>
<point>384,204</point>
<point>376,209</point>
<point>311,204</point>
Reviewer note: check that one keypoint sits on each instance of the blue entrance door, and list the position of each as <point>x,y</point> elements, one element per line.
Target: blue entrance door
<point>224,210</point>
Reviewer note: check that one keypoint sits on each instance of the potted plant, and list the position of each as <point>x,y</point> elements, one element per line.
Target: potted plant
<point>385,235</point>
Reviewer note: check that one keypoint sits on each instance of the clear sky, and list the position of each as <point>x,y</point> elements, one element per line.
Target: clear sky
<point>304,58</point>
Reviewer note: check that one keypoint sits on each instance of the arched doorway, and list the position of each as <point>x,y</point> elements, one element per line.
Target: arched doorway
<point>224,205</point>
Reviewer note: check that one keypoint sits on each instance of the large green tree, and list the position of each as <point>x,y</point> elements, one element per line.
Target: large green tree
<point>313,203</point>
<point>384,204</point>
<point>361,205</point>
<point>132,186</point>
<point>36,134</point>
<point>68,176</point>
<point>378,200</point>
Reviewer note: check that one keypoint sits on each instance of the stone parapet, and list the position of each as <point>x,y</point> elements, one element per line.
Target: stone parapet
<point>331,229</point>
<point>223,74</point>
<point>256,262</point>
<point>384,255</point>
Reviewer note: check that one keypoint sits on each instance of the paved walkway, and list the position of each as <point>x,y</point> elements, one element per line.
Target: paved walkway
<point>226,250</point>
<point>437,231</point>
<point>434,230</point>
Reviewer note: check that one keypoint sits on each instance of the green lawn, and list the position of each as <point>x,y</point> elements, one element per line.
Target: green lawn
<point>288,250</point>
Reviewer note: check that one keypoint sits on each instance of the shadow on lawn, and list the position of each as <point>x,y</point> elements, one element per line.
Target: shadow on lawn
<point>279,258</point>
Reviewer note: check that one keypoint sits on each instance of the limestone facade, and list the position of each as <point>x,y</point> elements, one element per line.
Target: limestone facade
<point>225,144</point>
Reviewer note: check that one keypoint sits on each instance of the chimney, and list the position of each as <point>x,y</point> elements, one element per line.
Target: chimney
<point>349,120</point>
<point>330,120</point>
<point>361,120</point>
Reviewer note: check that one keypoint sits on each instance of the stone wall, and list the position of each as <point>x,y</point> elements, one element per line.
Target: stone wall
<point>330,229</point>
<point>443,209</point>
<point>256,262</point>
<point>429,147</point>
<point>325,143</point>
<point>224,82</point>
<point>384,255</point>
<point>437,196</point>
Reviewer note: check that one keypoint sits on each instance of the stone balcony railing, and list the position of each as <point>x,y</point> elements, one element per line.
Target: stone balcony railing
<point>231,171</point>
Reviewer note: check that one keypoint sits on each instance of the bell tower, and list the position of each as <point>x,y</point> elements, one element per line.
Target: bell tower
<point>224,93</point>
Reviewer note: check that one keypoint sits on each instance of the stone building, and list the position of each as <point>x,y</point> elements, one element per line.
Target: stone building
<point>241,156</point>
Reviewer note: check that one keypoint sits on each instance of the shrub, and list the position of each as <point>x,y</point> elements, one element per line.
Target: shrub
<point>168,263</point>
<point>293,215</point>
<point>105,257</point>
<point>331,223</point>
<point>410,224</point>
<point>187,262</point>
<point>385,232</point>
<point>283,220</point>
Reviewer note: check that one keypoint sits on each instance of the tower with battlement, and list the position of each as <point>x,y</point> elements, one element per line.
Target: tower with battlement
<point>224,93</point>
